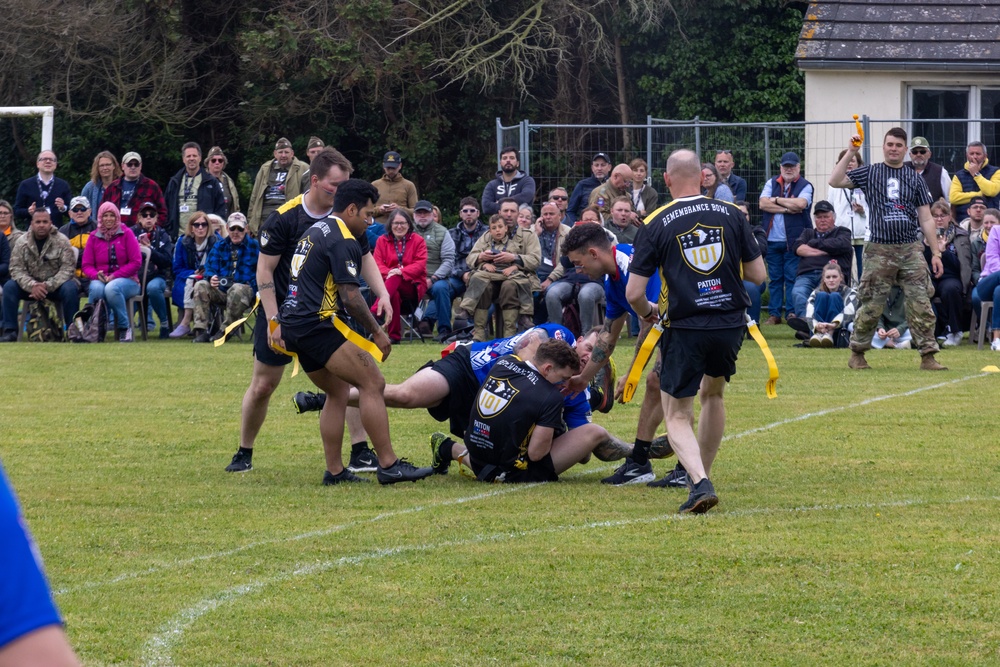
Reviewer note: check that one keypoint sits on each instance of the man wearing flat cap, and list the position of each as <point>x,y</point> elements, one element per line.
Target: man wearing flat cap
<point>278,181</point>
<point>394,191</point>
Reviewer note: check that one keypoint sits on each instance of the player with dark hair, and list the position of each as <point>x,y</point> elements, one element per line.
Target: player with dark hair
<point>323,284</point>
<point>515,418</point>
<point>278,239</point>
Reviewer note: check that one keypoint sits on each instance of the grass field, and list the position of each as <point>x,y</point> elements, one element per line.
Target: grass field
<point>858,524</point>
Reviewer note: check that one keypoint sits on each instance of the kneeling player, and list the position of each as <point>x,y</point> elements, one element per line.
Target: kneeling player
<point>517,413</point>
<point>324,282</point>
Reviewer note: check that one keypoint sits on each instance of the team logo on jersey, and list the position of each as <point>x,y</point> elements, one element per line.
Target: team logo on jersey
<point>299,258</point>
<point>352,268</point>
<point>495,396</point>
<point>264,238</point>
<point>702,247</point>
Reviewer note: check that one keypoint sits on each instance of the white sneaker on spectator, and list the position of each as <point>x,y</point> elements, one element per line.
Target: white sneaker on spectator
<point>995,345</point>
<point>953,340</point>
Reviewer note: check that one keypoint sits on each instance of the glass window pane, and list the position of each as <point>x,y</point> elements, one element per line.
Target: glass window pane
<point>989,111</point>
<point>947,137</point>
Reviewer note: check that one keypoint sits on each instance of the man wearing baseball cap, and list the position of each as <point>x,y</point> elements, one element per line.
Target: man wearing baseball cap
<point>785,202</point>
<point>600,167</point>
<point>133,188</point>
<point>935,176</point>
<point>78,231</point>
<point>278,181</point>
<point>815,247</point>
<point>394,191</point>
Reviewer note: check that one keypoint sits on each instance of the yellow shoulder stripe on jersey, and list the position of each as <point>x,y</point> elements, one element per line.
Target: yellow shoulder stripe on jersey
<point>290,204</point>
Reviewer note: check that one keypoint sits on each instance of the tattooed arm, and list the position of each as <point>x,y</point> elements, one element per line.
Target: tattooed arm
<point>607,338</point>
<point>354,304</point>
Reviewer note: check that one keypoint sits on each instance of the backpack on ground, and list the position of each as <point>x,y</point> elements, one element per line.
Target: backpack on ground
<point>89,324</point>
<point>44,323</point>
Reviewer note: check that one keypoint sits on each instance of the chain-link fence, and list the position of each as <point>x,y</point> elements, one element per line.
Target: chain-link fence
<point>560,155</point>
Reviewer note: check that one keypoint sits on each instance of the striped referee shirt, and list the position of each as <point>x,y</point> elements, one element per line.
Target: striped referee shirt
<point>893,195</point>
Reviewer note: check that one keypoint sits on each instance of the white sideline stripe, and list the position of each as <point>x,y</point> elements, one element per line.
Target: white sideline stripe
<point>589,471</point>
<point>157,650</point>
<point>867,401</point>
<point>301,536</point>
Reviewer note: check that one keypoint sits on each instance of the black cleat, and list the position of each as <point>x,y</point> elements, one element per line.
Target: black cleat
<point>345,477</point>
<point>700,499</point>
<point>306,401</point>
<point>631,472</point>
<point>439,463</point>
<point>401,471</point>
<point>675,479</point>
<point>363,461</point>
<point>240,463</point>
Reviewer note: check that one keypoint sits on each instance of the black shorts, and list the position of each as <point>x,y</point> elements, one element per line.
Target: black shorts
<point>537,471</point>
<point>262,352</point>
<point>314,344</point>
<point>462,389</point>
<point>689,354</point>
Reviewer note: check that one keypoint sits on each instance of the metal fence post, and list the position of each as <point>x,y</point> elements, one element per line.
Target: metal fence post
<point>697,138</point>
<point>525,147</point>
<point>499,139</point>
<point>649,148</point>
<point>767,152</point>
<point>866,149</point>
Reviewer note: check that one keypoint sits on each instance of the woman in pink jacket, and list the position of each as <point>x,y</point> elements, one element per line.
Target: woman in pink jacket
<point>401,256</point>
<point>111,260</point>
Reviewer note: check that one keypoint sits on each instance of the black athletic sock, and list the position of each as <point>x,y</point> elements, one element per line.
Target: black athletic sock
<point>358,447</point>
<point>640,453</point>
<point>247,452</point>
<point>444,449</point>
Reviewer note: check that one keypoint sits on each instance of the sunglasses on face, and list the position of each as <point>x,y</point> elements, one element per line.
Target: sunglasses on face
<point>237,229</point>
<point>147,214</point>
<point>469,210</point>
<point>217,159</point>
<point>133,164</point>
<point>77,209</point>
<point>560,197</point>
<point>919,151</point>
<point>199,224</point>
<point>724,151</point>
<point>46,159</point>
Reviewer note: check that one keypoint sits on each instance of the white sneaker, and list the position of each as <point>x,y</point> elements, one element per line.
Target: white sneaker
<point>953,340</point>
<point>995,345</point>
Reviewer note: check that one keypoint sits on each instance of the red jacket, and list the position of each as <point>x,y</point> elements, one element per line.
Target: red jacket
<point>414,259</point>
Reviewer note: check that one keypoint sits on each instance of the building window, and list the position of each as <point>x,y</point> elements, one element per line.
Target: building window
<point>952,117</point>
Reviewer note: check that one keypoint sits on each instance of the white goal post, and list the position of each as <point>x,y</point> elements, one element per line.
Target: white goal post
<point>47,114</point>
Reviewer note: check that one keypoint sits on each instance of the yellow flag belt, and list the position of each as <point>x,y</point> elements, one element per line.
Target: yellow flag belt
<point>648,345</point>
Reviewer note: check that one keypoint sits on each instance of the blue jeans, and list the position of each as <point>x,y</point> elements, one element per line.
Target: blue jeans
<point>116,293</point>
<point>988,289</point>
<point>805,283</point>
<point>827,306</point>
<point>66,296</point>
<point>156,290</point>
<point>754,291</point>
<point>782,264</point>
<point>859,251</point>
<point>441,293</point>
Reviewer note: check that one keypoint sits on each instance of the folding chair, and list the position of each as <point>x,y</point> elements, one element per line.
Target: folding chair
<point>140,299</point>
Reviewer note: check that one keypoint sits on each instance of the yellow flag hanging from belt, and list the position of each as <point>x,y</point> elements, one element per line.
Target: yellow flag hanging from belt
<point>648,345</point>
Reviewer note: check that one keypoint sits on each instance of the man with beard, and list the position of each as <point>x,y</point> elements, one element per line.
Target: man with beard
<point>510,183</point>
<point>394,191</point>
<point>278,181</point>
<point>935,176</point>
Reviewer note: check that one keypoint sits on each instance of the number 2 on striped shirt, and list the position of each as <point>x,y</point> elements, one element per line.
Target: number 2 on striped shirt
<point>892,188</point>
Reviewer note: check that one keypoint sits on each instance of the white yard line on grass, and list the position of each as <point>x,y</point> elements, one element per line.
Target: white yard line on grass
<point>157,651</point>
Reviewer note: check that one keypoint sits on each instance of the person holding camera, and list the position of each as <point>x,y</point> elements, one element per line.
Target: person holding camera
<point>190,255</point>
<point>230,279</point>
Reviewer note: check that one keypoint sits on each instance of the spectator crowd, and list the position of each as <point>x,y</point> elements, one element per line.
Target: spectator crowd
<point>192,245</point>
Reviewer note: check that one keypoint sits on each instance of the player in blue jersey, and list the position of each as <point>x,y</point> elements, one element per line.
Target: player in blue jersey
<point>590,250</point>
<point>31,632</point>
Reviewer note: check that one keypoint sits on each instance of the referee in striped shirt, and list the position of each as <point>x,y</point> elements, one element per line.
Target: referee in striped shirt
<point>899,207</point>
